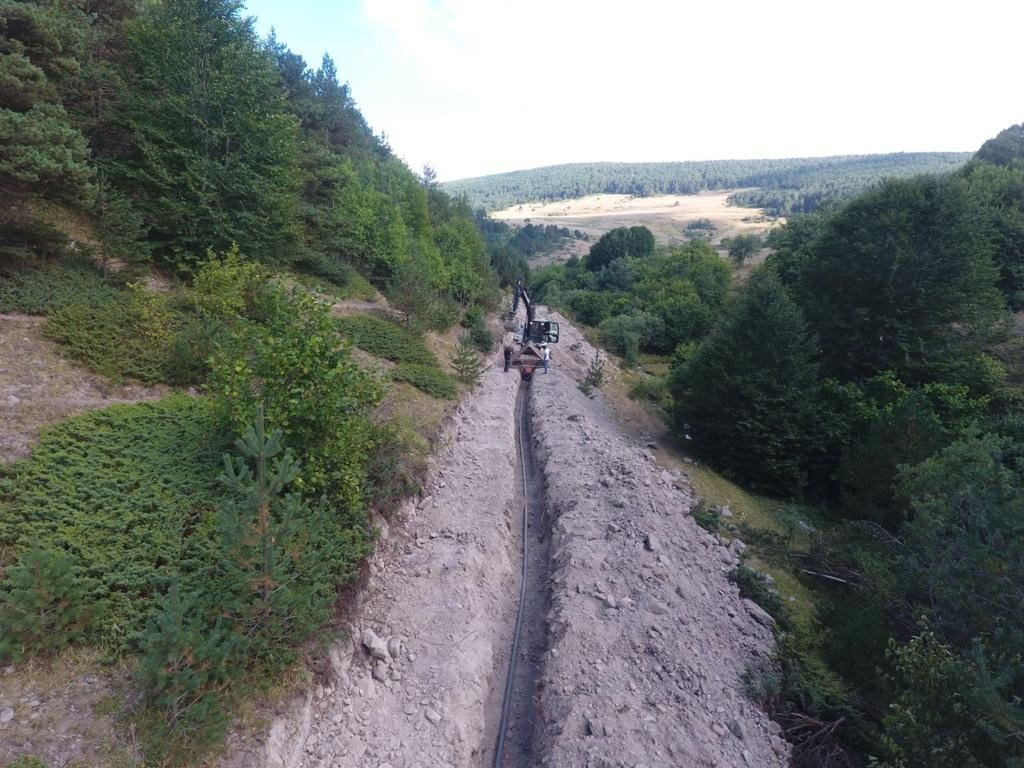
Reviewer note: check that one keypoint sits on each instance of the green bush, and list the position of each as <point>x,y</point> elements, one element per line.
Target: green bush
<point>122,337</point>
<point>426,378</point>
<point>385,339</point>
<point>480,335</point>
<point>652,389</point>
<point>292,366</point>
<point>128,493</point>
<point>53,286</point>
<point>466,362</point>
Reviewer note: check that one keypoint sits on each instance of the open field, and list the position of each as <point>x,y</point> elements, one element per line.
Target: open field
<point>665,215</point>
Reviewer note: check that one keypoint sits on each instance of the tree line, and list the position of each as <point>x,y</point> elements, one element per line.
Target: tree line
<point>175,129</point>
<point>785,186</point>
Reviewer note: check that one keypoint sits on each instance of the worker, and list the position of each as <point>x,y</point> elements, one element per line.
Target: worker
<point>508,356</point>
<point>547,356</point>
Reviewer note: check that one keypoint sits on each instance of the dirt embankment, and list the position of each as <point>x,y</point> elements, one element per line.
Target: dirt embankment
<point>648,640</point>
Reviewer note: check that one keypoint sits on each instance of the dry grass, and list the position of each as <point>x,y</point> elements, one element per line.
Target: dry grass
<point>665,215</point>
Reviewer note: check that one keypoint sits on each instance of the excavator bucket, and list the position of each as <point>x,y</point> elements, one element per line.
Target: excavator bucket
<point>509,321</point>
<point>527,359</point>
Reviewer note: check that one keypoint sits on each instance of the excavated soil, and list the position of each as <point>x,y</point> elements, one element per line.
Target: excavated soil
<point>648,639</point>
<point>639,641</point>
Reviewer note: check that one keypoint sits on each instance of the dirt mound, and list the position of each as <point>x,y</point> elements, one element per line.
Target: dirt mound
<point>648,640</point>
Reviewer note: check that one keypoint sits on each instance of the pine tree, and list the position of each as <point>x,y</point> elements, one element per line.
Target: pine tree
<point>276,589</point>
<point>44,603</point>
<point>467,362</point>
<point>747,397</point>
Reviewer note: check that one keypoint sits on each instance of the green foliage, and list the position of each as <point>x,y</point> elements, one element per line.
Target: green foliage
<point>742,247</point>
<point>901,279</point>
<point>594,376</point>
<point>385,339</point>
<point>211,155</point>
<point>397,464</point>
<point>27,762</point>
<point>1006,149</point>
<point>121,336</point>
<point>466,362</point>
<point>651,389</point>
<point>426,378</point>
<point>754,586</point>
<point>951,711</point>
<point>266,589</point>
<point>52,285</point>
<point>43,603</point>
<point>185,666</point>
<point>747,397</point>
<point>291,365</point>
<point>625,335</point>
<point>125,492</point>
<point>620,243</point>
<point>479,333</point>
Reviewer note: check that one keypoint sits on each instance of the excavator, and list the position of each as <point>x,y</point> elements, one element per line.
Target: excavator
<point>531,336</point>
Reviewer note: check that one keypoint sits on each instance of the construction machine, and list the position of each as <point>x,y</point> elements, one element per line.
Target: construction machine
<point>531,337</point>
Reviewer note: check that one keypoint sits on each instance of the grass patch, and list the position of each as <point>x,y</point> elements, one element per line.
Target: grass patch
<point>427,378</point>
<point>385,339</point>
<point>51,286</point>
<point>127,492</point>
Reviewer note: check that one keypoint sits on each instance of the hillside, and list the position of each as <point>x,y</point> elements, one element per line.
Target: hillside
<point>784,186</point>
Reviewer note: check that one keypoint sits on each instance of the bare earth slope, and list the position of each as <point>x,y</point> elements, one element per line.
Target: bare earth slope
<point>647,639</point>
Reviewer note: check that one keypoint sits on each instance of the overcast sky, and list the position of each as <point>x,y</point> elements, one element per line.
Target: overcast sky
<point>474,87</point>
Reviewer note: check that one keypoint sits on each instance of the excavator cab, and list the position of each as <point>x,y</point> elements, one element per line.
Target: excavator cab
<point>543,332</point>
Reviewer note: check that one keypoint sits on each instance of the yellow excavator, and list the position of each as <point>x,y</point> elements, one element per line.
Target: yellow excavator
<point>531,337</point>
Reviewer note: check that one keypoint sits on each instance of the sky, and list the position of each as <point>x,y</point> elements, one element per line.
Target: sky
<point>475,87</point>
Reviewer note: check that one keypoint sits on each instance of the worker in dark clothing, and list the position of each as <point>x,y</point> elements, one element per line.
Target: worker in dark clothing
<point>508,356</point>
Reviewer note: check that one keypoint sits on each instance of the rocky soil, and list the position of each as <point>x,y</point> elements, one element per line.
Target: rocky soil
<point>647,640</point>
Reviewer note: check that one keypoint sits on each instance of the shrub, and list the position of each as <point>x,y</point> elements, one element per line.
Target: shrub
<point>626,334</point>
<point>121,337</point>
<point>385,339</point>
<point>479,334</point>
<point>652,389</point>
<point>126,491</point>
<point>42,290</point>
<point>310,388</point>
<point>426,378</point>
<point>594,376</point>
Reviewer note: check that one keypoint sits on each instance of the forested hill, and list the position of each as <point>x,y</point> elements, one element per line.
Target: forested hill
<point>785,186</point>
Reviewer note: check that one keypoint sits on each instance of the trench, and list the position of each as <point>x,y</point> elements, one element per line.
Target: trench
<point>513,706</point>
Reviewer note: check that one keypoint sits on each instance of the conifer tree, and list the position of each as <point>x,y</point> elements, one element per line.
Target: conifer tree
<point>747,396</point>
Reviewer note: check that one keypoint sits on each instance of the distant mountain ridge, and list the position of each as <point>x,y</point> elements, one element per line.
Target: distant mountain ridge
<point>784,186</point>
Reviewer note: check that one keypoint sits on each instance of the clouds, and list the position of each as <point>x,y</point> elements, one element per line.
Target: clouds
<point>480,86</point>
